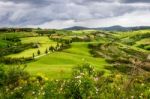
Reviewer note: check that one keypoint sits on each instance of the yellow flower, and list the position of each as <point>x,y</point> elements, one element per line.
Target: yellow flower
<point>42,76</point>
<point>118,76</point>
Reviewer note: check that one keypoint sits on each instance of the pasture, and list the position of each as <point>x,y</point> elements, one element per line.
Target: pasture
<point>60,64</point>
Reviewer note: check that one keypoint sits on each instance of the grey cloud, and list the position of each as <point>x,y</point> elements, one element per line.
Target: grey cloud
<point>135,1</point>
<point>36,12</point>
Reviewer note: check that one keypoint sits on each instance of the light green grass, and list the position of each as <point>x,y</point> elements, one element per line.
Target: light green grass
<point>39,39</point>
<point>128,34</point>
<point>143,41</point>
<point>60,64</point>
<point>44,41</point>
<point>18,34</point>
<point>80,48</point>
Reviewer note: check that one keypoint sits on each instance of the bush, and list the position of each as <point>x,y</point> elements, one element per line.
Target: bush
<point>8,60</point>
<point>85,83</point>
<point>15,49</point>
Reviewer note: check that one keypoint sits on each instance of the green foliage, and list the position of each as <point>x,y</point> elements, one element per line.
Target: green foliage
<point>88,83</point>
<point>9,60</point>
<point>42,32</point>
<point>38,52</point>
<point>46,51</point>
<point>15,30</point>
<point>85,83</point>
<point>33,55</point>
<point>14,49</point>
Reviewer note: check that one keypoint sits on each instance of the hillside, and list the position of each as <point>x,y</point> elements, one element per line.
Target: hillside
<point>111,28</point>
<point>63,60</point>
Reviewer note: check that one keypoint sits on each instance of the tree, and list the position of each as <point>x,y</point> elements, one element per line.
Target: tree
<point>33,55</point>
<point>46,51</point>
<point>38,52</point>
<point>51,48</point>
<point>57,44</point>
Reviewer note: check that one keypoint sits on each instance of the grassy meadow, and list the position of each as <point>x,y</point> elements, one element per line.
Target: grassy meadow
<point>75,64</point>
<point>60,64</point>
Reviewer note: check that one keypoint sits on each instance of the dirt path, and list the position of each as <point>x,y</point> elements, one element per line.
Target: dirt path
<point>36,57</point>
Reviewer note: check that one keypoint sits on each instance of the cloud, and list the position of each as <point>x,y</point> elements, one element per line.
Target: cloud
<point>130,19</point>
<point>65,13</point>
<point>135,1</point>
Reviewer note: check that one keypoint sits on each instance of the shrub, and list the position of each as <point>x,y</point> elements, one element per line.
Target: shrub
<point>38,52</point>
<point>85,83</point>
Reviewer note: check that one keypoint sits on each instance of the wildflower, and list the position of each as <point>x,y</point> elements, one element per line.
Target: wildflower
<point>35,98</point>
<point>37,82</point>
<point>141,94</point>
<point>45,78</point>
<point>142,84</point>
<point>20,87</point>
<point>96,90</point>
<point>33,92</point>
<point>7,89</point>
<point>79,81</point>
<point>132,97</point>
<point>61,89</point>
<point>43,93</point>
<point>11,92</point>
<point>118,76</point>
<point>96,79</point>
<point>81,73</point>
<point>42,88</point>
<point>78,77</point>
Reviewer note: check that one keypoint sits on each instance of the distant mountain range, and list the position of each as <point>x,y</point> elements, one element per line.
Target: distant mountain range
<point>111,28</point>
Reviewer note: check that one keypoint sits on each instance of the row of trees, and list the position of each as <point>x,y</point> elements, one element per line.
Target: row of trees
<point>14,49</point>
<point>15,30</point>
<point>58,47</point>
<point>9,60</point>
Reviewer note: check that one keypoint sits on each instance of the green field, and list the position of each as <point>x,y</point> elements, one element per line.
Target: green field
<point>113,64</point>
<point>59,64</point>
<point>44,43</point>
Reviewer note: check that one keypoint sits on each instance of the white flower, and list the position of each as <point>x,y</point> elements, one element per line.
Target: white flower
<point>132,97</point>
<point>39,93</point>
<point>79,81</point>
<point>78,77</point>
<point>33,92</point>
<point>43,93</point>
<point>96,89</point>
<point>42,88</point>
<point>81,73</point>
<point>148,57</point>
<point>11,92</point>
<point>96,79</point>
<point>61,89</point>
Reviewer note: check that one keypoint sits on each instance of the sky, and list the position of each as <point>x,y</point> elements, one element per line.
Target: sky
<point>67,13</point>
